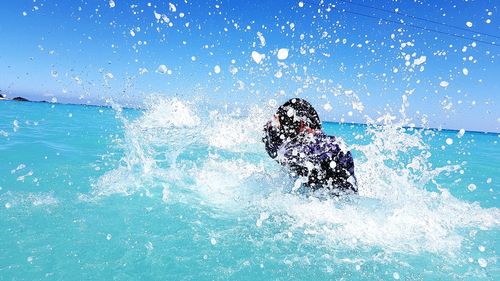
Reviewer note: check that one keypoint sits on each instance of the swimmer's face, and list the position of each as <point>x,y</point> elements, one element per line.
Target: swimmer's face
<point>275,121</point>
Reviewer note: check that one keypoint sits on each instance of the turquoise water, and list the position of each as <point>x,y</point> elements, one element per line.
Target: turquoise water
<point>175,192</point>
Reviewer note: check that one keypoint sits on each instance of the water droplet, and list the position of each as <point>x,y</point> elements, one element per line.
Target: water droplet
<point>482,262</point>
<point>258,223</point>
<point>282,54</point>
<point>217,69</point>
<point>444,84</point>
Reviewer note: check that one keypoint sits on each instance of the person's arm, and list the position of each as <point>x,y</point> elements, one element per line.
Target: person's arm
<point>339,167</point>
<point>271,140</point>
<point>347,170</point>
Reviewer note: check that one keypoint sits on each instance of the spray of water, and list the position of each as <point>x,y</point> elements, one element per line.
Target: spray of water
<point>221,164</point>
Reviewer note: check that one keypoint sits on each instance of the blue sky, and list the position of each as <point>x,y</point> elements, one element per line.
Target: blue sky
<point>345,58</point>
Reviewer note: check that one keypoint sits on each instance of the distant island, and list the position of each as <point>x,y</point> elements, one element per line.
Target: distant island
<point>4,97</point>
<point>20,99</point>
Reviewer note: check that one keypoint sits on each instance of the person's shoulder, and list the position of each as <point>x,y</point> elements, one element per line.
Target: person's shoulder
<point>335,143</point>
<point>327,139</point>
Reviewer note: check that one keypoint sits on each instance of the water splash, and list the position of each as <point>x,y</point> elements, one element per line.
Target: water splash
<point>221,165</point>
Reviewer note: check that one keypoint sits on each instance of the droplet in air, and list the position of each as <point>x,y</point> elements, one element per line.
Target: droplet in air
<point>162,69</point>
<point>172,7</point>
<point>482,262</point>
<point>471,187</point>
<point>444,84</point>
<point>257,57</point>
<point>282,54</point>
<point>217,69</point>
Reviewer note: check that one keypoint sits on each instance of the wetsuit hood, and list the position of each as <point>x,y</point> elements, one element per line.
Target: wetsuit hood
<point>288,120</point>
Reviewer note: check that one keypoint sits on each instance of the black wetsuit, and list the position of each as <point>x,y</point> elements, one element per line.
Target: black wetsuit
<point>321,160</point>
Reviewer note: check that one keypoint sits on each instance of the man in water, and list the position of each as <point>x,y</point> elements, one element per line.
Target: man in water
<point>294,138</point>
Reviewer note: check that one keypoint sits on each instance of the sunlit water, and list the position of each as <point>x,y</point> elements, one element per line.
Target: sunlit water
<point>176,191</point>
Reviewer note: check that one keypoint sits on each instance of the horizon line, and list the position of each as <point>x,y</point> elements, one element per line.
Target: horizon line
<point>333,122</point>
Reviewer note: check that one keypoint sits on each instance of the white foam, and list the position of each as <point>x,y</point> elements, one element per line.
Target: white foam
<point>29,199</point>
<point>236,134</point>
<point>232,173</point>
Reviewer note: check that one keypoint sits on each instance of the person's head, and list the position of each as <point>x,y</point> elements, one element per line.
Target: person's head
<point>291,118</point>
<point>295,116</point>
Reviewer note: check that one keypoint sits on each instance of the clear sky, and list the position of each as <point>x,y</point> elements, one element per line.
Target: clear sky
<point>352,59</point>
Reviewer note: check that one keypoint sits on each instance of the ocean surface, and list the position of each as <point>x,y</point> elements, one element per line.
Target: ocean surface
<point>180,192</point>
